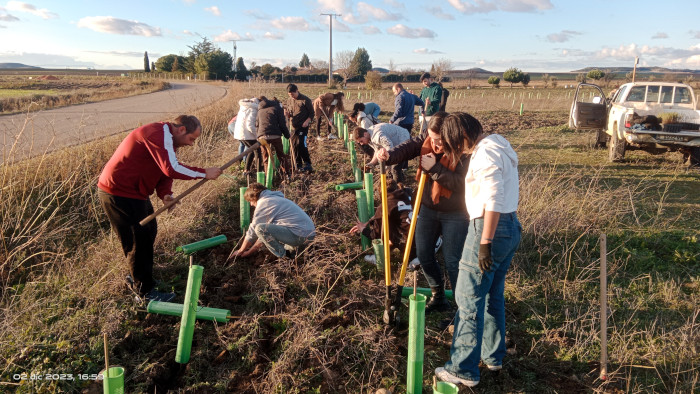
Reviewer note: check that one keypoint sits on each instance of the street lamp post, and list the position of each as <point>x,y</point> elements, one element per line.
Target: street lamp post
<point>234,55</point>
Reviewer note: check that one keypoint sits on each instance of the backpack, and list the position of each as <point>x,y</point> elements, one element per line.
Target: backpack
<point>443,99</point>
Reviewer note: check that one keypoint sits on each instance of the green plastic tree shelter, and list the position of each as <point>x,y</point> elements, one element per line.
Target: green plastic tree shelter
<point>358,176</point>
<point>416,332</point>
<point>407,291</point>
<point>445,388</point>
<point>285,145</point>
<point>260,177</point>
<point>244,209</point>
<point>378,247</point>
<point>203,244</point>
<point>349,186</point>
<point>270,172</point>
<point>363,215</point>
<point>113,381</point>
<point>189,314</point>
<point>369,192</point>
<point>202,312</point>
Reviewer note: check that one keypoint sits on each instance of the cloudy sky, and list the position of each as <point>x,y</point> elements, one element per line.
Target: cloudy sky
<point>534,35</point>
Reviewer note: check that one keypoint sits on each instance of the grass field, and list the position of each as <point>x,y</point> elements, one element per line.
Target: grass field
<point>314,324</point>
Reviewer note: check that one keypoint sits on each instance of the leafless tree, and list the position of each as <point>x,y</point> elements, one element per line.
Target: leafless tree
<point>546,79</point>
<point>470,74</point>
<point>442,67</point>
<point>319,65</point>
<point>392,65</point>
<point>345,66</point>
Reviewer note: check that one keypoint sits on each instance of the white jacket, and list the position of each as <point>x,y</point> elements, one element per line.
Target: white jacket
<point>245,122</point>
<point>491,183</point>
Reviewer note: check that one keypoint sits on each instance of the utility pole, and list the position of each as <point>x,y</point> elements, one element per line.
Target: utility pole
<point>234,55</point>
<point>330,54</point>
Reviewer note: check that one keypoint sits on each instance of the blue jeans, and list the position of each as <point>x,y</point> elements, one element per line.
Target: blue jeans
<point>453,228</point>
<point>276,237</point>
<point>480,322</point>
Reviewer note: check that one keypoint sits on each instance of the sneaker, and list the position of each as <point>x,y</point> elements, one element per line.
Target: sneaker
<point>414,265</point>
<point>372,259</point>
<point>442,374</point>
<point>494,367</point>
<point>332,137</point>
<point>155,295</point>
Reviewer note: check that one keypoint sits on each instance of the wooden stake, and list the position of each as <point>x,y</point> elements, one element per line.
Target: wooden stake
<point>603,308</point>
<point>106,357</point>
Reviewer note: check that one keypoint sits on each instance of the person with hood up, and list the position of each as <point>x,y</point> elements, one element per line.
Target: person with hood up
<point>491,196</point>
<point>271,125</point>
<point>278,224</point>
<point>244,131</point>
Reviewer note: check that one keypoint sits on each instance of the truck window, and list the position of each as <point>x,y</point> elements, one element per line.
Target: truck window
<point>636,93</point>
<point>682,95</point>
<point>652,94</point>
<point>666,94</point>
<point>619,95</point>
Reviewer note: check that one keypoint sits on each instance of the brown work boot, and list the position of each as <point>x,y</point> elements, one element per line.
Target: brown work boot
<point>438,302</point>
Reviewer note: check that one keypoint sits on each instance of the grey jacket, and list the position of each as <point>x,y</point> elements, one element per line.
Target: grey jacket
<point>387,136</point>
<point>273,208</point>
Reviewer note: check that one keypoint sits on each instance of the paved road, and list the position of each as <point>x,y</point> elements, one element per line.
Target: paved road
<point>28,135</point>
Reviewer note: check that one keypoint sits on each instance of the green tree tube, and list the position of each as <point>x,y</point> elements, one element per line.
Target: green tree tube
<point>189,314</point>
<point>202,313</point>
<point>407,291</point>
<point>203,244</point>
<point>261,177</point>
<point>285,145</point>
<point>245,210</point>
<point>362,214</point>
<point>416,331</point>
<point>270,172</point>
<point>369,192</point>
<point>114,384</point>
<point>358,177</point>
<point>445,388</point>
<point>349,186</point>
<point>378,247</point>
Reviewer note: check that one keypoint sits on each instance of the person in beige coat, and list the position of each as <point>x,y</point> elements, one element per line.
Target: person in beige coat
<point>324,106</point>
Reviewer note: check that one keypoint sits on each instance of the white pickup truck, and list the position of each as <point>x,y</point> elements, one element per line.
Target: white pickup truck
<point>617,118</point>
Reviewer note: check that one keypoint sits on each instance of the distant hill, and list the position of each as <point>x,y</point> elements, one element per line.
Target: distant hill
<point>16,65</point>
<point>639,70</point>
<point>381,70</point>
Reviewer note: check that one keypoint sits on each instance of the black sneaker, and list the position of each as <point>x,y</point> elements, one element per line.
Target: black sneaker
<point>437,303</point>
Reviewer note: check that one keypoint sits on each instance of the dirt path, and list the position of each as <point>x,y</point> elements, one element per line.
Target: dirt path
<point>28,135</point>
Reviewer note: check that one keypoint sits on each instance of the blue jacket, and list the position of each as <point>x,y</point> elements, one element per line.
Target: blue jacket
<point>404,103</point>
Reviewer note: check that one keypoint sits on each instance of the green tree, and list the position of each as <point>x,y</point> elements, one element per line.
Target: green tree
<point>595,74</point>
<point>241,71</point>
<point>146,63</point>
<point>525,80</point>
<point>361,63</point>
<point>267,69</point>
<point>305,62</point>
<point>170,63</point>
<point>494,81</point>
<point>513,75</point>
<point>176,65</point>
<point>581,78</point>
<point>215,65</point>
<point>153,67</point>
<point>200,48</point>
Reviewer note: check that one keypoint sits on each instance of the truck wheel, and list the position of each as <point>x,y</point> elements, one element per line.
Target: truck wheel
<point>601,139</point>
<point>695,157</point>
<point>617,149</point>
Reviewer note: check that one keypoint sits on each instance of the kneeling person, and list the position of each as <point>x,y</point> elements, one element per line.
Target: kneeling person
<point>278,223</point>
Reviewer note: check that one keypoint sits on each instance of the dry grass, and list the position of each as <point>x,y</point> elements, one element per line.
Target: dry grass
<point>314,324</point>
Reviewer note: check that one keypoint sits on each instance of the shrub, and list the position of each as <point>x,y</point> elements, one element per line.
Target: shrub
<point>494,81</point>
<point>373,80</point>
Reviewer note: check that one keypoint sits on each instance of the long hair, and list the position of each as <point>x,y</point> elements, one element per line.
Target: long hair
<point>459,132</point>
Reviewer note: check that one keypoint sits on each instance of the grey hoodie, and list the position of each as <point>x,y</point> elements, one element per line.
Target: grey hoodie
<point>273,208</point>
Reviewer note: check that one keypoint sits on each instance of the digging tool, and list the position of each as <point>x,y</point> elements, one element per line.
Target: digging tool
<point>329,122</point>
<point>196,186</point>
<point>603,307</point>
<point>409,240</point>
<point>389,309</point>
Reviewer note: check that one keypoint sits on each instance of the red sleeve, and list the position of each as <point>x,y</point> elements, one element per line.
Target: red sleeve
<point>159,144</point>
<point>164,187</point>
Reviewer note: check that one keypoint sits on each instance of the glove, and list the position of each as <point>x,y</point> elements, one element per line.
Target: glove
<point>427,161</point>
<point>485,260</point>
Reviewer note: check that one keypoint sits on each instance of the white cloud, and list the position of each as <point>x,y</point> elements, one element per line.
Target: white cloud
<point>25,7</point>
<point>189,1</point>
<point>371,30</point>
<point>126,54</point>
<point>407,32</point>
<point>659,35</point>
<point>339,26</point>
<point>229,35</point>
<point>8,18</point>
<point>214,10</point>
<point>291,23</point>
<point>486,6</point>
<point>395,4</point>
<point>112,25</point>
<point>257,14</point>
<point>426,51</point>
<point>563,36</point>
<point>273,36</point>
<point>366,12</point>
<point>333,6</point>
<point>439,13</point>
<point>695,33</point>
<point>189,33</point>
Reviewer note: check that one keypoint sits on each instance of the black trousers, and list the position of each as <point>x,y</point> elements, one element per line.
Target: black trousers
<point>137,241</point>
<point>256,154</point>
<point>301,149</point>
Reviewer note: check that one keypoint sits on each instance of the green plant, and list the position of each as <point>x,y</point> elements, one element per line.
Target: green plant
<point>494,81</point>
<point>513,75</point>
<point>373,80</point>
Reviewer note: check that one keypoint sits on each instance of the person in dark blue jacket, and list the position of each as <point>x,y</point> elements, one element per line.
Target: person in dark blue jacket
<point>404,102</point>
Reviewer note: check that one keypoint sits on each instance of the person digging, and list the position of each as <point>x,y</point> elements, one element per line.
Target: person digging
<point>277,223</point>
